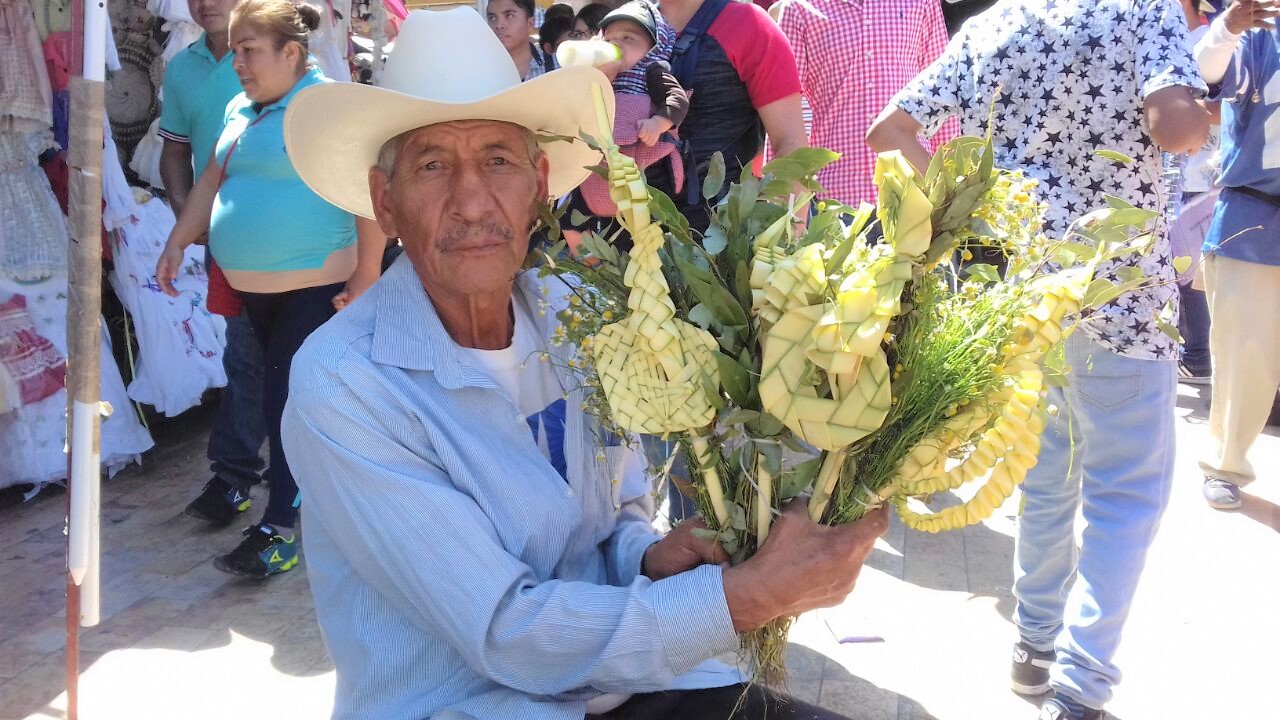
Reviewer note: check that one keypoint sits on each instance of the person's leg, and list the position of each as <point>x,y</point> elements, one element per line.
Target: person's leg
<point>1193,323</point>
<point>727,703</point>
<point>1045,547</point>
<point>299,313</point>
<point>1124,411</point>
<point>1244,302</point>
<point>235,441</point>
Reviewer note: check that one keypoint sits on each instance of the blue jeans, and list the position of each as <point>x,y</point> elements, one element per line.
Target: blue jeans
<point>238,428</point>
<point>1119,412</point>
<point>281,322</point>
<point>1193,323</point>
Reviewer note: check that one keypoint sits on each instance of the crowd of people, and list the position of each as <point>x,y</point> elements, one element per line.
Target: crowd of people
<point>465,564</point>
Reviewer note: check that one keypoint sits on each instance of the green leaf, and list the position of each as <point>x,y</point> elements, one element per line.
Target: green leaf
<point>701,317</point>
<point>714,181</point>
<point>714,241</point>
<point>1129,273</point>
<point>1182,264</point>
<point>1113,155</point>
<point>737,517</point>
<point>767,426</point>
<point>705,534</point>
<point>739,416</point>
<point>799,164</point>
<point>578,219</point>
<point>734,378</point>
<point>799,478</point>
<point>1116,203</point>
<point>1169,330</point>
<point>1099,293</point>
<point>984,273</point>
<point>665,212</point>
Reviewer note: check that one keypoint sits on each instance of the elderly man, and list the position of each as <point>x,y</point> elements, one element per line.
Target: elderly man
<point>468,551</point>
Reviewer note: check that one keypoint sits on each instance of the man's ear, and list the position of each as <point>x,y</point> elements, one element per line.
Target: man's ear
<point>544,174</point>
<point>380,194</point>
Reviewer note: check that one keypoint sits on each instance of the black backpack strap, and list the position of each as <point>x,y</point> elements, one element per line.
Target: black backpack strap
<point>684,63</point>
<point>684,56</point>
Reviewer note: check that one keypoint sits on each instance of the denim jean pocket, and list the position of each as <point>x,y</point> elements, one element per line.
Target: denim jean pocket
<point>1110,392</point>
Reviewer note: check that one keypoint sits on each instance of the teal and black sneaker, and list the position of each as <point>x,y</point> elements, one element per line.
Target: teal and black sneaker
<point>219,503</point>
<point>262,553</point>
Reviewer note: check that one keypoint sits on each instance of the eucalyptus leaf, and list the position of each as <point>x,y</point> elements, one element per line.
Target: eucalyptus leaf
<point>714,241</point>
<point>739,416</point>
<point>1169,330</point>
<point>701,317</point>
<point>734,379</point>
<point>705,534</point>
<point>1114,155</point>
<point>714,181</point>
<point>578,219</point>
<point>1182,264</point>
<point>799,478</point>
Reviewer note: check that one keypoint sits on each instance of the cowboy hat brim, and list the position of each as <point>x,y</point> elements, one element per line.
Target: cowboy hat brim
<point>334,131</point>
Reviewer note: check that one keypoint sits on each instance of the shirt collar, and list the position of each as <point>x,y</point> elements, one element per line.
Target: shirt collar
<point>201,47</point>
<point>312,76</point>
<point>408,332</point>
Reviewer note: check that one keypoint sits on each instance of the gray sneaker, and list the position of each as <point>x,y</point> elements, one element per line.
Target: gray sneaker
<point>1030,674</point>
<point>1057,709</point>
<point>1221,494</point>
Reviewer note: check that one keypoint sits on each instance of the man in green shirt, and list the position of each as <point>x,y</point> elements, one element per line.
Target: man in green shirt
<point>199,82</point>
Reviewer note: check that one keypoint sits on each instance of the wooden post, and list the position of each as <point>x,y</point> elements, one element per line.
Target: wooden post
<point>84,310</point>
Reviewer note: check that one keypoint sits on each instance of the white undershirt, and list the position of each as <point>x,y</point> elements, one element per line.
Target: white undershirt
<point>533,387</point>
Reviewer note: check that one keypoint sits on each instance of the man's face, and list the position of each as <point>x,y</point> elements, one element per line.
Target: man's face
<point>511,24</point>
<point>213,16</point>
<point>463,199</point>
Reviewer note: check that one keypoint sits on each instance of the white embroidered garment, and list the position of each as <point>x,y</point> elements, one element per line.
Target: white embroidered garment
<point>179,341</point>
<point>33,231</point>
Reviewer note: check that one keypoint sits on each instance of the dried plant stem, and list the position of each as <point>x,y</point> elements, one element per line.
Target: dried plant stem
<point>764,501</point>
<point>824,486</point>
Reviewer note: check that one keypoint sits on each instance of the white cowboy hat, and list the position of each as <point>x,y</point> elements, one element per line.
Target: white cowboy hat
<point>446,66</point>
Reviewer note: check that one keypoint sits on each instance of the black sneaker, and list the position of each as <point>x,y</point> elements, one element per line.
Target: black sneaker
<point>219,503</point>
<point>1056,709</point>
<point>1031,669</point>
<point>1188,375</point>
<point>263,552</point>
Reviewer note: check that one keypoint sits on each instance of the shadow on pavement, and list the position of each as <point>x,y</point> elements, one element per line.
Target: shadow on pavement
<point>843,692</point>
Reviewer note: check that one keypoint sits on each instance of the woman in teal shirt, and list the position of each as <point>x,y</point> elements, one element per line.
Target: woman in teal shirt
<point>292,257</point>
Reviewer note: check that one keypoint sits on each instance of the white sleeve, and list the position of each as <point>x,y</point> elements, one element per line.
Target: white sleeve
<point>1215,50</point>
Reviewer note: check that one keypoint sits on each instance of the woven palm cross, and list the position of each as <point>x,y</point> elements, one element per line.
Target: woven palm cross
<point>655,369</point>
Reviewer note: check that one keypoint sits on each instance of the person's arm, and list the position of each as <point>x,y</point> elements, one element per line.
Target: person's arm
<point>666,93</point>
<point>927,102</point>
<point>369,481</point>
<point>896,130</point>
<point>193,224</point>
<point>1169,80</point>
<point>1214,51</point>
<point>784,124</point>
<point>1176,121</point>
<point>934,33</point>
<point>176,173</point>
<point>371,243</point>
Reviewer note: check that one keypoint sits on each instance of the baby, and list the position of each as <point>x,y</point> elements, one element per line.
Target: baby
<point>645,40</point>
<point>650,104</point>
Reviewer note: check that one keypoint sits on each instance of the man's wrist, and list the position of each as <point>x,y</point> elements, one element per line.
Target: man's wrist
<point>747,599</point>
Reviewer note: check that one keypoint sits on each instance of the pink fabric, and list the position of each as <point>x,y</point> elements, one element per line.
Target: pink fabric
<point>853,57</point>
<point>29,358</point>
<point>396,8</point>
<point>631,109</point>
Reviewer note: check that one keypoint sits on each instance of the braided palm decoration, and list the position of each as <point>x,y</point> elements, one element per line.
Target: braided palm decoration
<point>1009,447</point>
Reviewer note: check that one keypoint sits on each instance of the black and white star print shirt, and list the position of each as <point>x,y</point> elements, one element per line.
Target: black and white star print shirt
<point>1071,78</point>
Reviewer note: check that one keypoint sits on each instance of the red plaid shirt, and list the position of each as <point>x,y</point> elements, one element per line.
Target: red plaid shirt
<point>853,57</point>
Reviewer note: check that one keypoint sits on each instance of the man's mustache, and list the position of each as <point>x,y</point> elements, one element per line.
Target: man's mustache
<point>462,235</point>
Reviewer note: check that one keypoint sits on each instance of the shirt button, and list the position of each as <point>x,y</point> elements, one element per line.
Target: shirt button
<point>520,419</point>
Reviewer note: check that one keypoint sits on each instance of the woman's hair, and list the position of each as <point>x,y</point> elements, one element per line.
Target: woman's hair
<point>282,19</point>
<point>555,28</point>
<point>559,10</point>
<point>592,15</point>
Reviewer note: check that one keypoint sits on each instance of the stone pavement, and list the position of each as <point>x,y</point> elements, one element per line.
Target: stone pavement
<point>181,641</point>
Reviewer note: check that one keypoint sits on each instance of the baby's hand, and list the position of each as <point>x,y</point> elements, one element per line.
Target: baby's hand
<point>650,129</point>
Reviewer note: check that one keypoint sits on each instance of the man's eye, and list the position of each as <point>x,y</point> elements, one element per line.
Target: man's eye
<point>500,161</point>
<point>430,165</point>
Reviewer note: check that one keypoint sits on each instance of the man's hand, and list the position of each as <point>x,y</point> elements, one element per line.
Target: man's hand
<point>1246,15</point>
<point>681,550</point>
<point>650,130</point>
<point>802,566</point>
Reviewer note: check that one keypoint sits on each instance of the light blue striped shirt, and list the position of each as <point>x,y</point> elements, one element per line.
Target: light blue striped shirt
<point>456,574</point>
